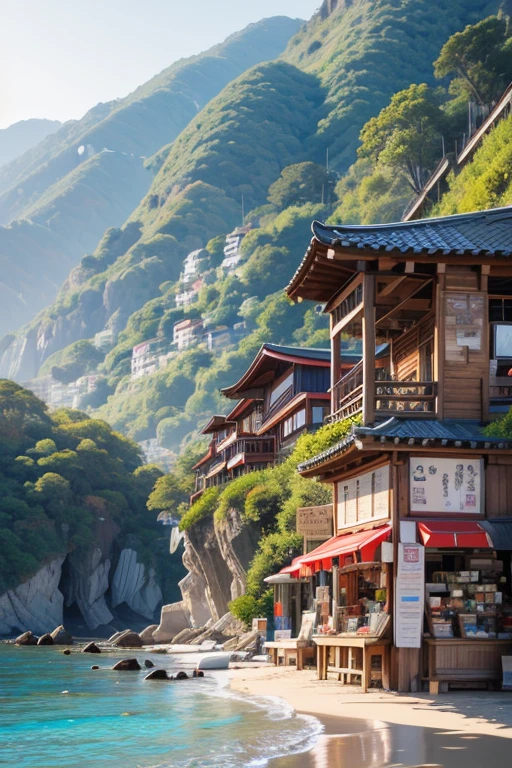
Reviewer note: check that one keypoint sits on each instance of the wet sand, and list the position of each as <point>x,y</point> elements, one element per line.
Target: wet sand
<point>377,729</point>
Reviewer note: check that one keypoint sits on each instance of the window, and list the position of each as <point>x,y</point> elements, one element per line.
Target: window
<point>294,422</point>
<point>246,424</point>
<point>281,388</point>
<point>318,414</point>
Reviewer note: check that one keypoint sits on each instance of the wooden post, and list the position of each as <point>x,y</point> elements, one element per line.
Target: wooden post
<point>368,349</point>
<point>335,365</point>
<point>439,341</point>
<point>484,279</point>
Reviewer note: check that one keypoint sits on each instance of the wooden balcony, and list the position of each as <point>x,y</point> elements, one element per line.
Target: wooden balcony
<point>253,450</point>
<point>392,398</point>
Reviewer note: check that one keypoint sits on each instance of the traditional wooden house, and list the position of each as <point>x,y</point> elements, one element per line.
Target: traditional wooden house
<point>419,571</point>
<point>281,395</point>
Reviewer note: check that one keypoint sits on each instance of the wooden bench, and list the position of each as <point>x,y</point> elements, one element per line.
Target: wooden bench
<point>352,658</point>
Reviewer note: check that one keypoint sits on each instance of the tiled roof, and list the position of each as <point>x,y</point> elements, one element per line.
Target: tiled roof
<point>483,232</point>
<point>310,353</point>
<point>467,434</point>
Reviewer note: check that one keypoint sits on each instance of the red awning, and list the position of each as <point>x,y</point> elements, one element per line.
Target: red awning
<point>456,534</point>
<point>320,559</point>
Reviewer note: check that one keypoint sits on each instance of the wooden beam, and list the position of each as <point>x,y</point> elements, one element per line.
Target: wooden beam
<point>390,287</point>
<point>404,301</point>
<point>368,349</point>
<point>335,364</point>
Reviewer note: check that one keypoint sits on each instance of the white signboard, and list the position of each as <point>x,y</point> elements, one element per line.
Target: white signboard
<point>410,595</point>
<point>363,498</point>
<point>445,485</point>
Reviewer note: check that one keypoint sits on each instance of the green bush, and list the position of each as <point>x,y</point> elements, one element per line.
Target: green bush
<point>202,508</point>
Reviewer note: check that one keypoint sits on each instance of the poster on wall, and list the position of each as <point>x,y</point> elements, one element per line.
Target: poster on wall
<point>445,485</point>
<point>409,595</point>
<point>363,498</point>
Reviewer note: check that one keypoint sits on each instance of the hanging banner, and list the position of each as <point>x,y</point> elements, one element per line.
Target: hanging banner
<point>446,485</point>
<point>409,595</point>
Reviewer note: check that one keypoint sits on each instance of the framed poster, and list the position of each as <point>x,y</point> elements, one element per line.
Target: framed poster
<point>446,485</point>
<point>363,498</point>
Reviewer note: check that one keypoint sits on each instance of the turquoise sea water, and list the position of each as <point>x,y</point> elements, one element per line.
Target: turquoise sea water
<point>115,719</point>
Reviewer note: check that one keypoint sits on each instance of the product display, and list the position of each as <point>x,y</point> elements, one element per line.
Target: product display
<point>470,603</point>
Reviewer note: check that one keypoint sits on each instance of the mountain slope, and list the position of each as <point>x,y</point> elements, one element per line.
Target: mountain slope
<point>148,118</point>
<point>90,175</point>
<point>272,118</point>
<point>20,137</point>
<point>364,51</point>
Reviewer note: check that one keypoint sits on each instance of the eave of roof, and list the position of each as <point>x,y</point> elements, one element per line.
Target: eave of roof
<point>482,233</point>
<point>301,355</point>
<point>424,432</point>
<point>216,423</point>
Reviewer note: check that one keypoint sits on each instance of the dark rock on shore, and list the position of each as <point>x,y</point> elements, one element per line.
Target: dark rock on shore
<point>126,639</point>
<point>157,674</point>
<point>27,638</point>
<point>46,639</point>
<point>148,664</point>
<point>94,666</point>
<point>91,648</point>
<point>61,636</point>
<point>67,652</point>
<point>127,665</point>
<point>181,676</point>
<point>198,673</point>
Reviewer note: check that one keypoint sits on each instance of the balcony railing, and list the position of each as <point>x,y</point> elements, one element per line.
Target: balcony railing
<point>391,397</point>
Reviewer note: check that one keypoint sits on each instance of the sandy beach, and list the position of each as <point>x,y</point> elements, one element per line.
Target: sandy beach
<point>383,729</point>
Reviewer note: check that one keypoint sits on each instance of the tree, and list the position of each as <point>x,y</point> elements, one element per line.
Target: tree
<point>22,414</point>
<point>480,58</point>
<point>302,183</point>
<point>406,135</point>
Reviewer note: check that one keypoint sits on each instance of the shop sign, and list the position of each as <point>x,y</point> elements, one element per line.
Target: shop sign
<point>363,498</point>
<point>315,521</point>
<point>410,595</point>
<point>446,485</point>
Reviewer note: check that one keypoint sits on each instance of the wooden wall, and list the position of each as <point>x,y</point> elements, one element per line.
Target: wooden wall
<point>498,487</point>
<point>406,350</point>
<point>465,370</point>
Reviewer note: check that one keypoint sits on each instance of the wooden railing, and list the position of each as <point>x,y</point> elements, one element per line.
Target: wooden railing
<point>410,397</point>
<point>347,395</point>
<point>391,397</point>
<point>255,445</point>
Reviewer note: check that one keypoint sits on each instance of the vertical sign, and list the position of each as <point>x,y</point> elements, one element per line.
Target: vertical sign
<point>409,595</point>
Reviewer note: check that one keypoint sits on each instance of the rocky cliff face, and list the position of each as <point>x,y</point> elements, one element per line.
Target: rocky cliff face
<point>36,605</point>
<point>96,582</point>
<point>217,555</point>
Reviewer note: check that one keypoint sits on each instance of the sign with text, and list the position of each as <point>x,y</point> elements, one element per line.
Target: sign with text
<point>315,521</point>
<point>363,498</point>
<point>446,485</point>
<point>410,595</point>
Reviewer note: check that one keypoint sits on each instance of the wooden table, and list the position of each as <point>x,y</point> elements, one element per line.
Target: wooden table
<point>455,659</point>
<point>287,650</point>
<point>347,649</point>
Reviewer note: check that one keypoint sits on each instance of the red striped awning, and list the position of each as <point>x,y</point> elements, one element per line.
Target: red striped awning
<point>320,559</point>
<point>454,534</point>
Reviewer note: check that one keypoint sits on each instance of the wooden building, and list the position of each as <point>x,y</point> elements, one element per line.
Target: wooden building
<point>283,393</point>
<point>422,497</point>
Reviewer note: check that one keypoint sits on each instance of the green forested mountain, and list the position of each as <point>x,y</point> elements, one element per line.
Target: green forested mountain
<point>57,473</point>
<point>257,146</point>
<point>91,173</point>
<point>20,137</point>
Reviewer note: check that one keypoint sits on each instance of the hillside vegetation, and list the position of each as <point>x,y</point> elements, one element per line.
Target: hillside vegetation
<point>90,175</point>
<point>57,473</point>
<point>260,146</point>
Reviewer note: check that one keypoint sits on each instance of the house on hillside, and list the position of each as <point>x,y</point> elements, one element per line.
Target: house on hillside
<point>191,266</point>
<point>416,583</point>
<point>145,358</point>
<point>283,393</point>
<point>186,298</point>
<point>232,254</point>
<point>187,333</point>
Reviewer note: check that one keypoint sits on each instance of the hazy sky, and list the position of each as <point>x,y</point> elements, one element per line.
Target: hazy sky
<point>60,57</point>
